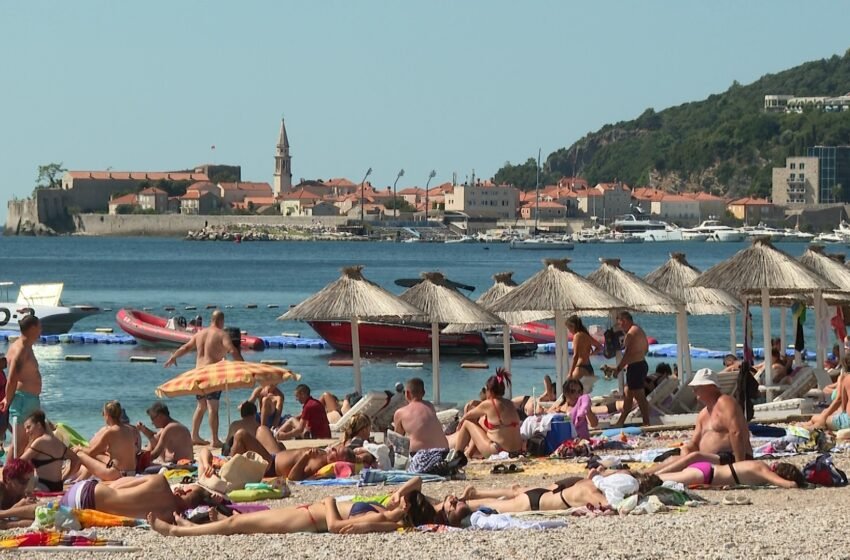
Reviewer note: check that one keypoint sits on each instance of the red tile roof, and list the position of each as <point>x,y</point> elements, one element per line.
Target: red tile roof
<point>412,190</point>
<point>246,186</point>
<point>153,191</point>
<point>300,194</point>
<point>751,201</point>
<point>125,199</point>
<point>339,182</point>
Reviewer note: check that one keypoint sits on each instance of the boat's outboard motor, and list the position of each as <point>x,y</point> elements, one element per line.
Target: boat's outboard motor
<point>180,321</point>
<point>235,336</point>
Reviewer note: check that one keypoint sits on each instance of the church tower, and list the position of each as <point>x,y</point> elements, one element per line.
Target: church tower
<point>282,163</point>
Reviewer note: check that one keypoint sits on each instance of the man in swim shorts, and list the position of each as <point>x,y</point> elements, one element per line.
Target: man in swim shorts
<point>23,387</point>
<point>635,347</point>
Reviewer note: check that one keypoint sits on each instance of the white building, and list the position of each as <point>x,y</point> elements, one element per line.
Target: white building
<point>484,200</point>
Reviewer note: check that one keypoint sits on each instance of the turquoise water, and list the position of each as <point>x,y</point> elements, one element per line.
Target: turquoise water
<point>154,272</point>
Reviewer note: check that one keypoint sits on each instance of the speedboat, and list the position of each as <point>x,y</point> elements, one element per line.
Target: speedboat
<point>797,235</point>
<point>718,232</point>
<point>43,301</point>
<point>761,230</point>
<point>647,230</point>
<point>828,238</point>
<point>543,244</point>
<point>462,239</point>
<point>174,331</point>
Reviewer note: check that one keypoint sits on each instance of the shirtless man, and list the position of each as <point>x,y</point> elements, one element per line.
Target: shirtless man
<point>248,422</point>
<point>111,454</point>
<point>212,345</point>
<point>269,399</point>
<point>635,347</point>
<point>721,435</point>
<point>172,442</point>
<point>294,464</point>
<point>23,386</point>
<point>418,421</point>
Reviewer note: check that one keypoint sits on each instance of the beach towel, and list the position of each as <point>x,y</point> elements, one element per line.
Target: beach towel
<point>502,521</point>
<point>374,476</point>
<point>330,482</point>
<point>426,460</point>
<point>338,469</point>
<point>92,518</point>
<point>55,539</point>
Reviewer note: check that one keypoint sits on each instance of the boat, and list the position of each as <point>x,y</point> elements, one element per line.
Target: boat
<point>795,235</point>
<point>543,244</point>
<point>43,301</point>
<point>615,237</point>
<point>381,337</point>
<point>174,331</point>
<point>762,230</point>
<point>828,238</point>
<point>544,333</point>
<point>461,239</point>
<point>496,346</point>
<point>647,230</point>
<point>718,232</point>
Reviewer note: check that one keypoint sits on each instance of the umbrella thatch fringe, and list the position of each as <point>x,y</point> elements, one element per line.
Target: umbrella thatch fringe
<point>352,295</point>
<point>503,284</point>
<point>557,288</point>
<point>675,278</point>
<point>761,266</point>
<point>630,288</point>
<point>826,267</point>
<point>443,304</point>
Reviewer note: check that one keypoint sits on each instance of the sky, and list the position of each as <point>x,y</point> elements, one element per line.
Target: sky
<point>453,86</point>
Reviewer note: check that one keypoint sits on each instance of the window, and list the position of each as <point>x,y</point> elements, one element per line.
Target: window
<point>793,176</point>
<point>802,176</point>
<point>793,166</point>
<point>802,165</point>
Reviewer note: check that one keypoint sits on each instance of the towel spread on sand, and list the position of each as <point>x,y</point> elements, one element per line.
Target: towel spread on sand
<point>501,521</point>
<point>375,476</point>
<point>55,538</point>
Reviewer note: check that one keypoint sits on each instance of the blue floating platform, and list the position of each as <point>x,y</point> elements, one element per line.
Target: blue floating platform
<point>293,342</point>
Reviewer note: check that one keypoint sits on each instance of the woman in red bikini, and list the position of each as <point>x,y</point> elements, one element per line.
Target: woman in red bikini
<point>493,425</point>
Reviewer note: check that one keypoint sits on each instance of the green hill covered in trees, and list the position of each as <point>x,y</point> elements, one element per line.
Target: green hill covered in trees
<point>725,144</point>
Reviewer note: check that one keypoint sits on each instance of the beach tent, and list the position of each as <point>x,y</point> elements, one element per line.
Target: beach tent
<point>675,277</point>
<point>352,298</point>
<point>558,290</point>
<point>637,294</point>
<point>443,304</point>
<point>763,270</point>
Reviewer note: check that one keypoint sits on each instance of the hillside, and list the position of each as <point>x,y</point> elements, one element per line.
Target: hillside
<point>725,144</point>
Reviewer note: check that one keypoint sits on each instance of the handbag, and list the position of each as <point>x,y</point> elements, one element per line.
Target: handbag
<point>244,468</point>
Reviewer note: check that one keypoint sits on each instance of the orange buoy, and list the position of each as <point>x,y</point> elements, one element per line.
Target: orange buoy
<point>340,362</point>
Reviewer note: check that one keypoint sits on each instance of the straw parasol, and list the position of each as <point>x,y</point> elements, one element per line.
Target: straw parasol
<point>765,270</point>
<point>831,268</point>
<point>352,298</point>
<point>442,303</point>
<point>558,290</point>
<point>675,277</point>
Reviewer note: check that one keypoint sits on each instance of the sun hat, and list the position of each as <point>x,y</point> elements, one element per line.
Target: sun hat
<point>704,376</point>
<point>214,485</point>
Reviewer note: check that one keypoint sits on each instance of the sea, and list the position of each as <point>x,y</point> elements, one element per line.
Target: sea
<point>159,272</point>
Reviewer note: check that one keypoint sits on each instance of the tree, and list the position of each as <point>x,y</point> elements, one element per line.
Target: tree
<point>400,203</point>
<point>49,176</point>
<point>523,175</point>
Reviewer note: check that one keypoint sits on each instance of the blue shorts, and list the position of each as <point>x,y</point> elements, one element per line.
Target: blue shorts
<point>23,404</point>
<point>214,396</point>
<point>840,421</point>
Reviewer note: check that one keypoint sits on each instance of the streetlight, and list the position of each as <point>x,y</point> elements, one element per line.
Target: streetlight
<point>395,200</point>
<point>430,176</point>
<point>363,199</point>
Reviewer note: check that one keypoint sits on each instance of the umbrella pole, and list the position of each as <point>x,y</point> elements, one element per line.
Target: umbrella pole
<point>681,343</point>
<point>435,360</point>
<point>621,380</point>
<point>355,350</point>
<point>783,326</point>
<point>820,350</point>
<point>506,348</point>
<point>733,337</point>
<point>559,347</point>
<point>765,317</point>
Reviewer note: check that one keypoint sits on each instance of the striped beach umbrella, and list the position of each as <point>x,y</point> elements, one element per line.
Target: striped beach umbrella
<point>222,376</point>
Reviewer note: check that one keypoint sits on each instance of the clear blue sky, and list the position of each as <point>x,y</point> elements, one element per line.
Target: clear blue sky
<point>448,85</point>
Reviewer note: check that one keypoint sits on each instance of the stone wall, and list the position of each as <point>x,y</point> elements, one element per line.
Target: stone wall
<point>19,212</point>
<point>170,225</point>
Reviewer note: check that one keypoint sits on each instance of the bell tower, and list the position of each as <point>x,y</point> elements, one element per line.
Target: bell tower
<point>282,163</point>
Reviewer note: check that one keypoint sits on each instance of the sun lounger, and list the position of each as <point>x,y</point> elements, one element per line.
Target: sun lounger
<point>656,399</point>
<point>804,380</point>
<point>370,404</point>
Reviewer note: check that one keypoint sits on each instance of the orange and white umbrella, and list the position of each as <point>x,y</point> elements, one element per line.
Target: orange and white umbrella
<point>223,376</point>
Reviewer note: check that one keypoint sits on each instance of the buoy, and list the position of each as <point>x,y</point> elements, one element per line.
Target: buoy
<point>211,306</point>
<point>272,306</point>
<point>143,358</point>
<point>474,365</point>
<point>340,363</point>
<point>190,308</point>
<point>151,308</point>
<point>169,308</point>
<point>103,329</point>
<point>251,306</point>
<point>228,307</point>
<point>77,358</point>
<point>409,364</point>
<point>291,334</point>
<point>107,309</point>
<point>274,362</point>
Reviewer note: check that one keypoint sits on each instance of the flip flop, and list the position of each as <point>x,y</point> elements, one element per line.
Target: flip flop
<point>742,500</point>
<point>514,468</point>
<point>499,469</point>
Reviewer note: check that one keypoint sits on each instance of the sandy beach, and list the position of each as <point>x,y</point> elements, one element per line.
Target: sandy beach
<point>778,524</point>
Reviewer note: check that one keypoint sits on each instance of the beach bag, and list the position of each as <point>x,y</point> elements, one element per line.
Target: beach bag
<point>241,469</point>
<point>611,343</point>
<point>536,445</point>
<point>822,472</point>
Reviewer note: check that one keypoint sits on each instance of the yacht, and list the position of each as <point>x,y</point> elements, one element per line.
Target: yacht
<point>543,243</point>
<point>828,238</point>
<point>763,230</point>
<point>647,230</point>
<point>43,301</point>
<point>798,236</point>
<point>718,232</point>
<point>461,239</point>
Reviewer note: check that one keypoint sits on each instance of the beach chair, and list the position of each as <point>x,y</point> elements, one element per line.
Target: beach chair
<point>804,381</point>
<point>370,404</point>
<point>657,399</point>
<point>400,446</point>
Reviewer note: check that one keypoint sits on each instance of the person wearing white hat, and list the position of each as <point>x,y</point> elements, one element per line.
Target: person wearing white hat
<point>721,435</point>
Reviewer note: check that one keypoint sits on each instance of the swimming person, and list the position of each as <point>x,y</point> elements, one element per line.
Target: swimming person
<point>23,386</point>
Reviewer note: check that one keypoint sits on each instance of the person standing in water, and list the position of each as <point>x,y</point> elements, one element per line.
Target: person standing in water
<point>212,345</point>
<point>23,387</point>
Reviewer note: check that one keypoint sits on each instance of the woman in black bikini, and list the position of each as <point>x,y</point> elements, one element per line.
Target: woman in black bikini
<point>583,346</point>
<point>46,452</point>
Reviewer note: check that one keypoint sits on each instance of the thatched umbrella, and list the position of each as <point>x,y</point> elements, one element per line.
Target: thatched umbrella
<point>763,269</point>
<point>675,278</point>
<point>443,304</point>
<point>352,298</point>
<point>833,270</point>
<point>558,290</point>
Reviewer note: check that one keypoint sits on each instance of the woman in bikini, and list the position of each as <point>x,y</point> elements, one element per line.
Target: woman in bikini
<point>111,453</point>
<point>750,473</point>
<point>583,346</point>
<point>46,452</point>
<point>498,429</point>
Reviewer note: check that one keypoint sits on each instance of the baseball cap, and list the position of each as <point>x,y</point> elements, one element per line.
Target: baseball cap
<point>704,376</point>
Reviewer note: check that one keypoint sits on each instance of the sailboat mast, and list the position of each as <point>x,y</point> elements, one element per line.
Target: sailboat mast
<point>537,196</point>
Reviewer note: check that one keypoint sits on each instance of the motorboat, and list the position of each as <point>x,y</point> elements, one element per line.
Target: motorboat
<point>615,237</point>
<point>173,331</point>
<point>647,230</point>
<point>496,346</point>
<point>795,235</point>
<point>383,337</point>
<point>45,302</point>
<point>828,238</point>
<point>543,244</point>
<point>461,239</point>
<point>762,230</point>
<point>718,232</point>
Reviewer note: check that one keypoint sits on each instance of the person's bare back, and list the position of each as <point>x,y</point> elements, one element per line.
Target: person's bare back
<point>121,446</point>
<point>213,344</point>
<point>419,422</point>
<point>174,443</point>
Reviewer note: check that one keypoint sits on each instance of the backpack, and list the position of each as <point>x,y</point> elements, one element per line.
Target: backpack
<point>822,472</point>
<point>536,445</point>
<point>612,343</point>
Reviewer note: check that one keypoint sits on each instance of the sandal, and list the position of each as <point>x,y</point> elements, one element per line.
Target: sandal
<point>514,468</point>
<point>499,469</point>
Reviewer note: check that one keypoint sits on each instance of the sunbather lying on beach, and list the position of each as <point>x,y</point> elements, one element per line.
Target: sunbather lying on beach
<point>321,517</point>
<point>750,473</point>
<point>525,403</point>
<point>499,423</point>
<point>17,478</point>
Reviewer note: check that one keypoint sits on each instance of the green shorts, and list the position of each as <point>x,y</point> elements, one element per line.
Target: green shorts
<point>23,404</point>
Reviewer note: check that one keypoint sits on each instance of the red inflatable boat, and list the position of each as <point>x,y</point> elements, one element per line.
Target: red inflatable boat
<point>544,333</point>
<point>158,331</point>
